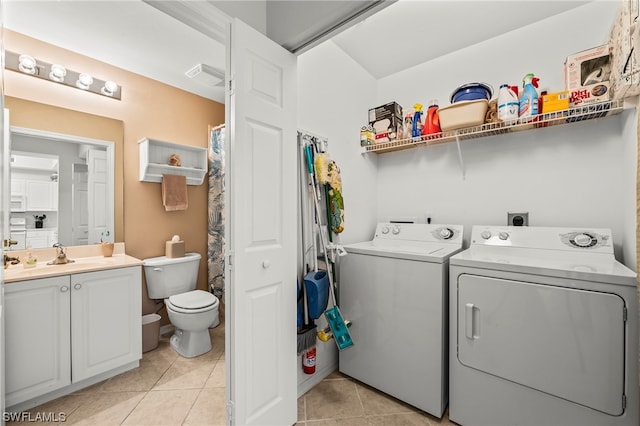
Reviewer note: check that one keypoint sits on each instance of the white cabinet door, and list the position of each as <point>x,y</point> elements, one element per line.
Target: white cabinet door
<point>106,307</point>
<point>42,195</point>
<point>37,337</point>
<point>18,186</point>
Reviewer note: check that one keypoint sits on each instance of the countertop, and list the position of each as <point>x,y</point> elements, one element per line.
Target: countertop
<point>86,259</point>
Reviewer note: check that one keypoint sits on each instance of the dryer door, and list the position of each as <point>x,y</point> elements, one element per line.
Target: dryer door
<point>562,341</point>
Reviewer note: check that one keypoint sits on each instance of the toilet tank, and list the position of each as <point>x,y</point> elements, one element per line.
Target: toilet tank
<point>167,276</point>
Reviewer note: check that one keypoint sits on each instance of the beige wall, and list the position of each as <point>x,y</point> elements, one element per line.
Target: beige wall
<point>148,109</point>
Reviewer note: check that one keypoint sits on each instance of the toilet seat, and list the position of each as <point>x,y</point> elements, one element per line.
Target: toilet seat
<point>192,302</point>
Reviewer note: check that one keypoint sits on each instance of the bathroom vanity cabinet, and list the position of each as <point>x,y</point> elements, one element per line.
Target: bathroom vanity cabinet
<point>67,332</point>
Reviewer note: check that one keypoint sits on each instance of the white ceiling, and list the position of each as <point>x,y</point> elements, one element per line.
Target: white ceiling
<point>143,39</point>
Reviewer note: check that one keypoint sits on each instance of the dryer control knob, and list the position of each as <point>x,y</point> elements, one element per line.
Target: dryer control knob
<point>486,235</point>
<point>385,229</point>
<point>583,240</point>
<point>446,233</point>
<point>503,235</point>
<point>395,230</point>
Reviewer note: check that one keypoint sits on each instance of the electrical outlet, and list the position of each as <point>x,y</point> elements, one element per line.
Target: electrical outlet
<point>518,219</point>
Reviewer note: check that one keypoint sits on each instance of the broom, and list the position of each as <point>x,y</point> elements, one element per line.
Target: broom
<point>307,333</point>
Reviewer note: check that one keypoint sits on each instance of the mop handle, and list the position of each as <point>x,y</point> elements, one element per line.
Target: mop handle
<point>324,251</point>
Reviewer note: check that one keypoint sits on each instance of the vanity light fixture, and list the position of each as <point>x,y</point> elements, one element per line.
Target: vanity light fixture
<point>28,65</point>
<point>84,81</point>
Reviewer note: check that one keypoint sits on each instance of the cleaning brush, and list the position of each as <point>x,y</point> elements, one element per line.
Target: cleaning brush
<point>321,163</point>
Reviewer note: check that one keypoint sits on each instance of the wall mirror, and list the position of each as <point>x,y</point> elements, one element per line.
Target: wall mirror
<point>66,176</point>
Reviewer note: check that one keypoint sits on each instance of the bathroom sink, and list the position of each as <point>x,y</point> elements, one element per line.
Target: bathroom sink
<point>79,265</point>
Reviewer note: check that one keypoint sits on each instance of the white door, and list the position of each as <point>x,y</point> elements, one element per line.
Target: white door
<point>565,342</point>
<point>80,219</point>
<point>261,230</point>
<point>99,215</point>
<point>5,150</point>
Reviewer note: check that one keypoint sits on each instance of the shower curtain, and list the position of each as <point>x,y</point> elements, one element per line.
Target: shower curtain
<point>215,240</point>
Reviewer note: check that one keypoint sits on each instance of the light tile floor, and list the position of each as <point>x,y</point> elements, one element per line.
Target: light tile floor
<point>168,389</point>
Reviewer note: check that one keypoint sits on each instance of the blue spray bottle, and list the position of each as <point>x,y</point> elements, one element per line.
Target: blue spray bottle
<point>416,130</point>
<point>529,98</point>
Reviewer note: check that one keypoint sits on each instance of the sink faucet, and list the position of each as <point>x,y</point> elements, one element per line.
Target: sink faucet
<point>61,256</point>
<point>10,260</point>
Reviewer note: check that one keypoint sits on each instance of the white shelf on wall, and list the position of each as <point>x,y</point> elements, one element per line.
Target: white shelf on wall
<point>154,161</point>
<point>581,113</point>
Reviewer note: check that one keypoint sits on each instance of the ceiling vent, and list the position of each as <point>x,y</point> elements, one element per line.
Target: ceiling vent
<point>206,74</point>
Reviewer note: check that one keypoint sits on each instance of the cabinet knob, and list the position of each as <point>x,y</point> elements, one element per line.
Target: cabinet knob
<point>266,264</point>
<point>64,289</point>
<point>77,286</point>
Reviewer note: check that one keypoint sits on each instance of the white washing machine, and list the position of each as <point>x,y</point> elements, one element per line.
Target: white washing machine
<point>544,329</point>
<point>394,291</point>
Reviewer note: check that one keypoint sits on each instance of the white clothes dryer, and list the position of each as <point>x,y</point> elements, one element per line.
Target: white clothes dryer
<point>394,291</point>
<point>544,329</point>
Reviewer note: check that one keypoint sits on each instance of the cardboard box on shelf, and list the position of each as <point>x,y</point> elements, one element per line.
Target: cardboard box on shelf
<point>386,121</point>
<point>557,101</point>
<point>587,75</point>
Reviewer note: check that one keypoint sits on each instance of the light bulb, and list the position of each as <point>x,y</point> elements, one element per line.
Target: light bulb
<point>109,88</point>
<point>58,72</point>
<point>84,81</point>
<point>27,64</point>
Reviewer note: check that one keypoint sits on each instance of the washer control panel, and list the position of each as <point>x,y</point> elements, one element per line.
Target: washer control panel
<point>418,232</point>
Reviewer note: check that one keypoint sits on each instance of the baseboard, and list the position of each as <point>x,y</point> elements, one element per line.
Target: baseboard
<point>316,378</point>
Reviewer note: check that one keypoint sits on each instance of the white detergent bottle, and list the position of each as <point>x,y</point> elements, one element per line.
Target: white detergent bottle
<point>508,103</point>
<point>529,98</point>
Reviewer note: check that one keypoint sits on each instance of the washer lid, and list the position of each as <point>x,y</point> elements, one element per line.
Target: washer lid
<point>196,299</point>
<point>411,250</point>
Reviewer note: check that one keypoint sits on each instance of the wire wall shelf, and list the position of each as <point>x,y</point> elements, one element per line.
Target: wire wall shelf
<point>572,115</point>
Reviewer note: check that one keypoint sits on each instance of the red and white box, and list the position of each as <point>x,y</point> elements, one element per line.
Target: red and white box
<point>587,75</point>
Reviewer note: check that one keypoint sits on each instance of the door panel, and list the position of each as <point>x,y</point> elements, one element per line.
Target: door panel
<point>562,341</point>
<point>37,332</point>
<point>261,231</point>
<point>99,217</point>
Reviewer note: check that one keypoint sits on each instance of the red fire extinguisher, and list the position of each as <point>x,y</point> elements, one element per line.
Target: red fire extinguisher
<point>309,360</point>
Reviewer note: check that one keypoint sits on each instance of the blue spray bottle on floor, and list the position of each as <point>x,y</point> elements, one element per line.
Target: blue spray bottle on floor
<point>529,98</point>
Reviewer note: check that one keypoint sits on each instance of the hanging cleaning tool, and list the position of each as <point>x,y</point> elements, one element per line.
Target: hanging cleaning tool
<point>335,201</point>
<point>306,334</point>
<point>529,98</point>
<point>333,315</point>
<point>326,334</point>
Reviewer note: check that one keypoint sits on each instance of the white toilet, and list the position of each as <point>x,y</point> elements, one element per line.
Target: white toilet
<point>192,312</point>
